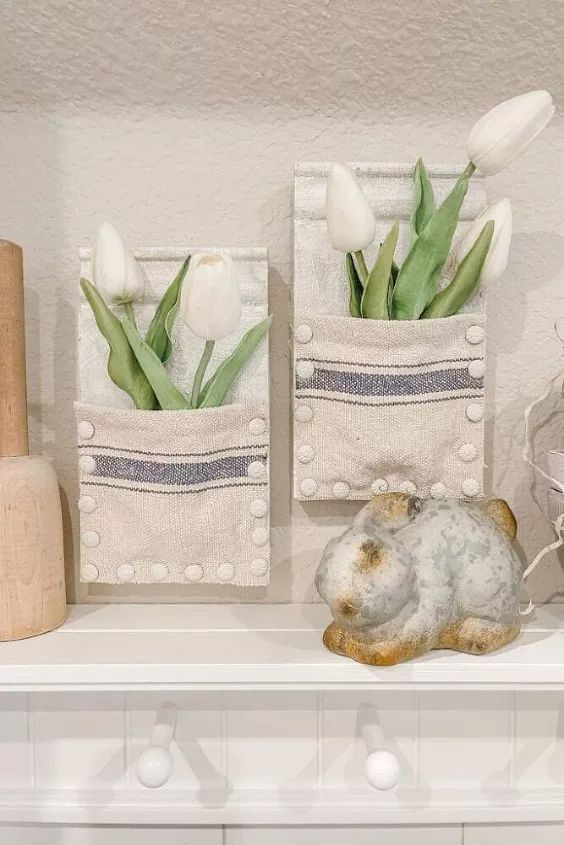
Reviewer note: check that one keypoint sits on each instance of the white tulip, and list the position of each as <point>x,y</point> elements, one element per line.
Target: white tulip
<point>498,253</point>
<point>116,273</point>
<point>210,303</point>
<point>350,219</point>
<point>507,130</point>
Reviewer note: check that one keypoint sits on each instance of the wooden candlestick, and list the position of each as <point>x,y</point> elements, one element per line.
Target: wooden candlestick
<point>32,583</point>
<point>13,405</point>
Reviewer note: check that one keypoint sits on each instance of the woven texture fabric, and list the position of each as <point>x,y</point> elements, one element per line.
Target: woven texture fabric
<point>174,496</point>
<point>392,405</point>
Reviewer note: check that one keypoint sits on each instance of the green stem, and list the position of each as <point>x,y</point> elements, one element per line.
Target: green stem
<point>471,168</point>
<point>200,372</point>
<point>128,308</point>
<point>362,268</point>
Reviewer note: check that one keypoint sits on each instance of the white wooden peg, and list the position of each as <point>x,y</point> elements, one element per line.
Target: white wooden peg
<point>155,765</point>
<point>382,767</point>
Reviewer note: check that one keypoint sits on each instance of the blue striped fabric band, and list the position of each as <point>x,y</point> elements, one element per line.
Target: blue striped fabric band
<point>179,474</point>
<point>371,384</point>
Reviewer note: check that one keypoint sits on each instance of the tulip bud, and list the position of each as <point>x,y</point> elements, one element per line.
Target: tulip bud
<point>210,303</point>
<point>498,253</point>
<point>507,130</point>
<point>116,273</point>
<point>350,219</point>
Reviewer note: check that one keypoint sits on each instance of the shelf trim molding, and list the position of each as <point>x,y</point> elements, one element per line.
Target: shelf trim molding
<point>255,647</point>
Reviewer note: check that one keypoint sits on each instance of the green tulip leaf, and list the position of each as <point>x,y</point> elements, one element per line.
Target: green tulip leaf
<point>355,286</point>
<point>465,283</point>
<point>375,297</point>
<point>170,398</point>
<point>391,286</point>
<point>123,367</point>
<point>215,389</point>
<point>417,280</point>
<point>158,333</point>
<point>423,199</point>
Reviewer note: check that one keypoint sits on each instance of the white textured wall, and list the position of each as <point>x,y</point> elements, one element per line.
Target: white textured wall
<point>181,121</point>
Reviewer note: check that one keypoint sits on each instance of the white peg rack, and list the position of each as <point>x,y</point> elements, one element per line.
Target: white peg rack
<point>237,715</point>
<point>156,764</point>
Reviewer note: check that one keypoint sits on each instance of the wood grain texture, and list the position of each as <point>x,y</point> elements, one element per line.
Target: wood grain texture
<point>13,406</point>
<point>32,584</point>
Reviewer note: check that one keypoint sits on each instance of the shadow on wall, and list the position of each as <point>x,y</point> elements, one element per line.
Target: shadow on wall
<point>516,326</point>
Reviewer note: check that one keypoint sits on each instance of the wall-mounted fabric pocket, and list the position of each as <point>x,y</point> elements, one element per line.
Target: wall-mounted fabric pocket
<point>174,496</point>
<point>388,405</point>
<point>382,405</point>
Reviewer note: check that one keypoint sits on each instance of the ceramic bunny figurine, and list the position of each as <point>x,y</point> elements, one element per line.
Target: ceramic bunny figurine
<point>411,575</point>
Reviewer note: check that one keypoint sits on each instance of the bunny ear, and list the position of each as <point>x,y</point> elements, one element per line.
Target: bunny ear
<point>501,514</point>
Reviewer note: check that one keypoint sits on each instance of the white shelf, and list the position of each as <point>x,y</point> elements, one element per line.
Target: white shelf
<point>258,647</point>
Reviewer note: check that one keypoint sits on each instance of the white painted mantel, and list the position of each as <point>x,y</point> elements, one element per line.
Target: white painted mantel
<point>267,728</point>
<point>256,647</point>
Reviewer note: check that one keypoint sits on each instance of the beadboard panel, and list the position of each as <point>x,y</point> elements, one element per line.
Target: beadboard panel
<point>466,741</point>
<point>16,745</point>
<point>272,741</point>
<point>104,835</point>
<point>79,740</point>
<point>283,757</point>
<point>522,834</point>
<point>448,835</point>
<point>539,740</point>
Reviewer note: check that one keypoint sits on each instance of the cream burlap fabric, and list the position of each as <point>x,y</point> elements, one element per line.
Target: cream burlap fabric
<point>174,496</point>
<point>392,405</point>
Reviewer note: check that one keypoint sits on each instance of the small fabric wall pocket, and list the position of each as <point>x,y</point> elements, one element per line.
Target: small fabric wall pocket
<point>175,496</point>
<point>380,405</point>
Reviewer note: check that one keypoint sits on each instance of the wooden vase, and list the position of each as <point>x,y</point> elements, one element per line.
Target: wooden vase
<point>32,575</point>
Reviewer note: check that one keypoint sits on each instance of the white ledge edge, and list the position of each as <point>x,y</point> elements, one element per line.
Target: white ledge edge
<point>391,169</point>
<point>179,253</point>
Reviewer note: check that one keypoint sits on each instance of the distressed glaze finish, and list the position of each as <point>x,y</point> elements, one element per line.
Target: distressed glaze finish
<point>412,575</point>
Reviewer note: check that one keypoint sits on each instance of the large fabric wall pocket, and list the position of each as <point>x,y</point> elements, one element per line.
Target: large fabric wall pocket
<point>393,403</point>
<point>389,406</point>
<point>174,453</point>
